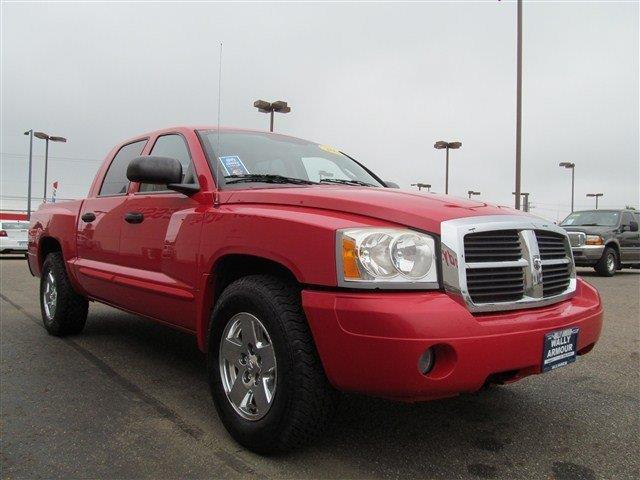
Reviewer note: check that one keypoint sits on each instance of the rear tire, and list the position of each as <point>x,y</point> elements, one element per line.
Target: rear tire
<point>64,312</point>
<point>298,400</point>
<point>608,263</point>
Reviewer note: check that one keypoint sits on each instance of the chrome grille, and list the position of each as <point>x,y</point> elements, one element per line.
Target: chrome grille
<point>555,278</point>
<point>577,239</point>
<point>495,284</point>
<point>506,262</point>
<point>492,246</point>
<point>551,245</point>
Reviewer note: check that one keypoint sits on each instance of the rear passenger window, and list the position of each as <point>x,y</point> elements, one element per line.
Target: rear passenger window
<point>115,181</point>
<point>172,146</point>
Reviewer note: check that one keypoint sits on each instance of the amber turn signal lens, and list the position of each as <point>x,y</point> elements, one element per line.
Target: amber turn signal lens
<point>349,262</point>
<point>594,240</point>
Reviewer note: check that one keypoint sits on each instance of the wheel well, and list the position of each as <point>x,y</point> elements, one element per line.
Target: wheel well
<point>615,246</point>
<point>232,267</point>
<point>48,245</point>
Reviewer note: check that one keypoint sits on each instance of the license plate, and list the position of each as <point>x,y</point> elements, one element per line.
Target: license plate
<point>22,244</point>
<point>559,348</point>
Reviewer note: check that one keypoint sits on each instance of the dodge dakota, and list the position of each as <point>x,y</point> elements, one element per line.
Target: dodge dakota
<point>301,274</point>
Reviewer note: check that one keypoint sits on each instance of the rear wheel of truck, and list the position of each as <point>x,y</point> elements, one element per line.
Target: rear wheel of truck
<point>64,312</point>
<point>266,379</point>
<point>608,263</point>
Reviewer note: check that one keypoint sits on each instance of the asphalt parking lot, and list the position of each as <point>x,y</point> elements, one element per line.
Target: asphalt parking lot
<point>128,399</point>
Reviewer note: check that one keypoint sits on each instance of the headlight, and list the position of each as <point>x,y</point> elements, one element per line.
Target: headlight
<point>386,258</point>
<point>595,240</point>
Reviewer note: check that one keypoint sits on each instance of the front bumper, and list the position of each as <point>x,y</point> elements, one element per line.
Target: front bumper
<point>371,342</point>
<point>587,255</point>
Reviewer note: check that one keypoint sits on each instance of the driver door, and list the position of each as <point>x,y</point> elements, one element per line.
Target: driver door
<point>629,240</point>
<point>159,243</point>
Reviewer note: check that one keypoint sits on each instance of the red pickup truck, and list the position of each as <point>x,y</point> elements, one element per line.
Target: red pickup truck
<point>301,273</point>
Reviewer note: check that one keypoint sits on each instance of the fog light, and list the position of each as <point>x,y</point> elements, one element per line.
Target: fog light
<point>426,361</point>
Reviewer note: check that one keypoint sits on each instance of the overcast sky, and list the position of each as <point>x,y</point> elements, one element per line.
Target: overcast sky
<point>381,82</point>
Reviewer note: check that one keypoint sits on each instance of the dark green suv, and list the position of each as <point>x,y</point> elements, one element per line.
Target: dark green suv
<point>607,240</point>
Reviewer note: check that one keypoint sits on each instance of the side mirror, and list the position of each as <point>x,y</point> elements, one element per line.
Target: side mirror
<point>633,226</point>
<point>159,171</point>
<point>389,184</point>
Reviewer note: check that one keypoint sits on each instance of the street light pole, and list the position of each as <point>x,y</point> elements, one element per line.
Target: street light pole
<point>572,166</point>
<point>471,192</point>
<point>525,201</point>
<point>519,104</point>
<point>46,165</point>
<point>272,107</point>
<point>596,195</point>
<point>422,185</point>
<point>446,177</point>
<point>30,133</point>
<point>573,186</point>
<point>47,138</point>
<point>440,145</point>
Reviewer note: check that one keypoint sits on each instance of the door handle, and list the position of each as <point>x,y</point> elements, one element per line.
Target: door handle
<point>133,217</point>
<point>88,217</point>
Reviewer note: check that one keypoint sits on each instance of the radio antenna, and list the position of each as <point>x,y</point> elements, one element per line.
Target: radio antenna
<point>218,153</point>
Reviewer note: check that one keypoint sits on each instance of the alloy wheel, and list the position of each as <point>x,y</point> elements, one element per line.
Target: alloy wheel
<point>248,367</point>
<point>50,295</point>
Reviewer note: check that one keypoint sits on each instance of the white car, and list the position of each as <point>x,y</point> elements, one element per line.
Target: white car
<point>13,236</point>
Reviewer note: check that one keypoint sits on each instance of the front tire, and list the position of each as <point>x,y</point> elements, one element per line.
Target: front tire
<point>266,379</point>
<point>64,312</point>
<point>608,263</point>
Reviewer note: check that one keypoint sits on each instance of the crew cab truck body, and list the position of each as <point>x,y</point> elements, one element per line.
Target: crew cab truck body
<point>300,273</point>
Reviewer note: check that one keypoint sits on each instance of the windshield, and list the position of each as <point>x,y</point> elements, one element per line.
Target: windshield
<point>593,218</point>
<point>270,158</point>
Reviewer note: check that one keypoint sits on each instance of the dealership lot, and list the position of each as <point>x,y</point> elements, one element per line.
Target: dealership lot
<point>128,399</point>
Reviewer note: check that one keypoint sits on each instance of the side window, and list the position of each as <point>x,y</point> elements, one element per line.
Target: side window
<point>627,218</point>
<point>172,146</point>
<point>115,181</point>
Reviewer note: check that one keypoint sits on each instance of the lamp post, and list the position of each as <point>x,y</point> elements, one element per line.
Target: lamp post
<point>266,107</point>
<point>572,166</point>
<point>441,144</point>
<point>471,192</point>
<point>596,195</point>
<point>30,133</point>
<point>47,138</point>
<point>525,200</point>
<point>519,104</point>
<point>422,185</point>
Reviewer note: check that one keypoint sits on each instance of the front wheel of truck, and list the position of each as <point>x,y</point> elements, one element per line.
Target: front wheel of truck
<point>608,263</point>
<point>266,379</point>
<point>64,312</point>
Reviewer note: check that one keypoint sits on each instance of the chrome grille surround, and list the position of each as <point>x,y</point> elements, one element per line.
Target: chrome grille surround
<point>577,239</point>
<point>454,266</point>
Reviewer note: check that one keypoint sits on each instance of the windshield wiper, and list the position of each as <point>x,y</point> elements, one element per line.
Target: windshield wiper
<point>344,181</point>
<point>266,178</point>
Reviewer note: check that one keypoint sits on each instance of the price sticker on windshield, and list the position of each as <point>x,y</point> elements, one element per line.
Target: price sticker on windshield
<point>233,165</point>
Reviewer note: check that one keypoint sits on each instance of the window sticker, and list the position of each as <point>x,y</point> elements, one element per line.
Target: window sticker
<point>329,149</point>
<point>233,165</point>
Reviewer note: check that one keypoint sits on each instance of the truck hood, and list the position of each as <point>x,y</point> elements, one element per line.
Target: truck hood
<point>424,211</point>
<point>590,230</point>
